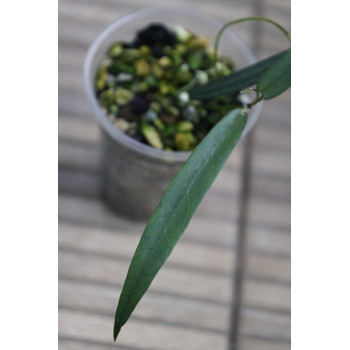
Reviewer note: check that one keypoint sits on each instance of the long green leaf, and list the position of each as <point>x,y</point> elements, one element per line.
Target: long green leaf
<point>277,78</point>
<point>175,210</point>
<point>236,81</point>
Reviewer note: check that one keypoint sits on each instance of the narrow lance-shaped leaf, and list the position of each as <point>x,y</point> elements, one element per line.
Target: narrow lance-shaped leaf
<point>277,78</point>
<point>236,81</point>
<point>175,210</point>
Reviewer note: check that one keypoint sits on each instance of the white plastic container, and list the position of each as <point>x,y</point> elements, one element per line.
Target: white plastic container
<point>135,175</point>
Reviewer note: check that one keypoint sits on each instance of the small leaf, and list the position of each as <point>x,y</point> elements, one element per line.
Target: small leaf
<point>236,81</point>
<point>175,210</point>
<point>277,78</point>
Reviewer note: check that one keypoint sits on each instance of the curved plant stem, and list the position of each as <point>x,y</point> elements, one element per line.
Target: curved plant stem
<point>251,18</point>
<point>259,97</point>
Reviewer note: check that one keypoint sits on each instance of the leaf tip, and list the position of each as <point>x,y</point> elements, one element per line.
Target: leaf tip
<point>116,331</point>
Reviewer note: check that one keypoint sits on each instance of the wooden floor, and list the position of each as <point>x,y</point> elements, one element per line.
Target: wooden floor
<point>227,283</point>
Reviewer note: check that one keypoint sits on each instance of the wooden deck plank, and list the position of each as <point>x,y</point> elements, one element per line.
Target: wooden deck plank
<point>106,11</point>
<point>169,279</point>
<point>273,161</point>
<point>185,255</point>
<point>101,299</point>
<point>78,130</point>
<point>87,211</point>
<point>267,267</point>
<point>277,112</point>
<point>71,78</point>
<point>71,106</point>
<point>215,205</point>
<point>271,213</point>
<point>91,327</point>
<point>265,240</point>
<point>79,157</point>
<point>78,344</point>
<point>265,324</point>
<point>273,137</point>
<point>79,182</point>
<point>246,343</point>
<point>70,56</point>
<point>273,189</point>
<point>266,295</point>
<point>282,5</point>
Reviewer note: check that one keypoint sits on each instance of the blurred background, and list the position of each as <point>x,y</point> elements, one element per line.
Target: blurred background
<point>227,283</point>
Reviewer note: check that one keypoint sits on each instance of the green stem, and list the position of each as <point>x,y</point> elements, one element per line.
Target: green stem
<point>251,18</point>
<point>258,97</point>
